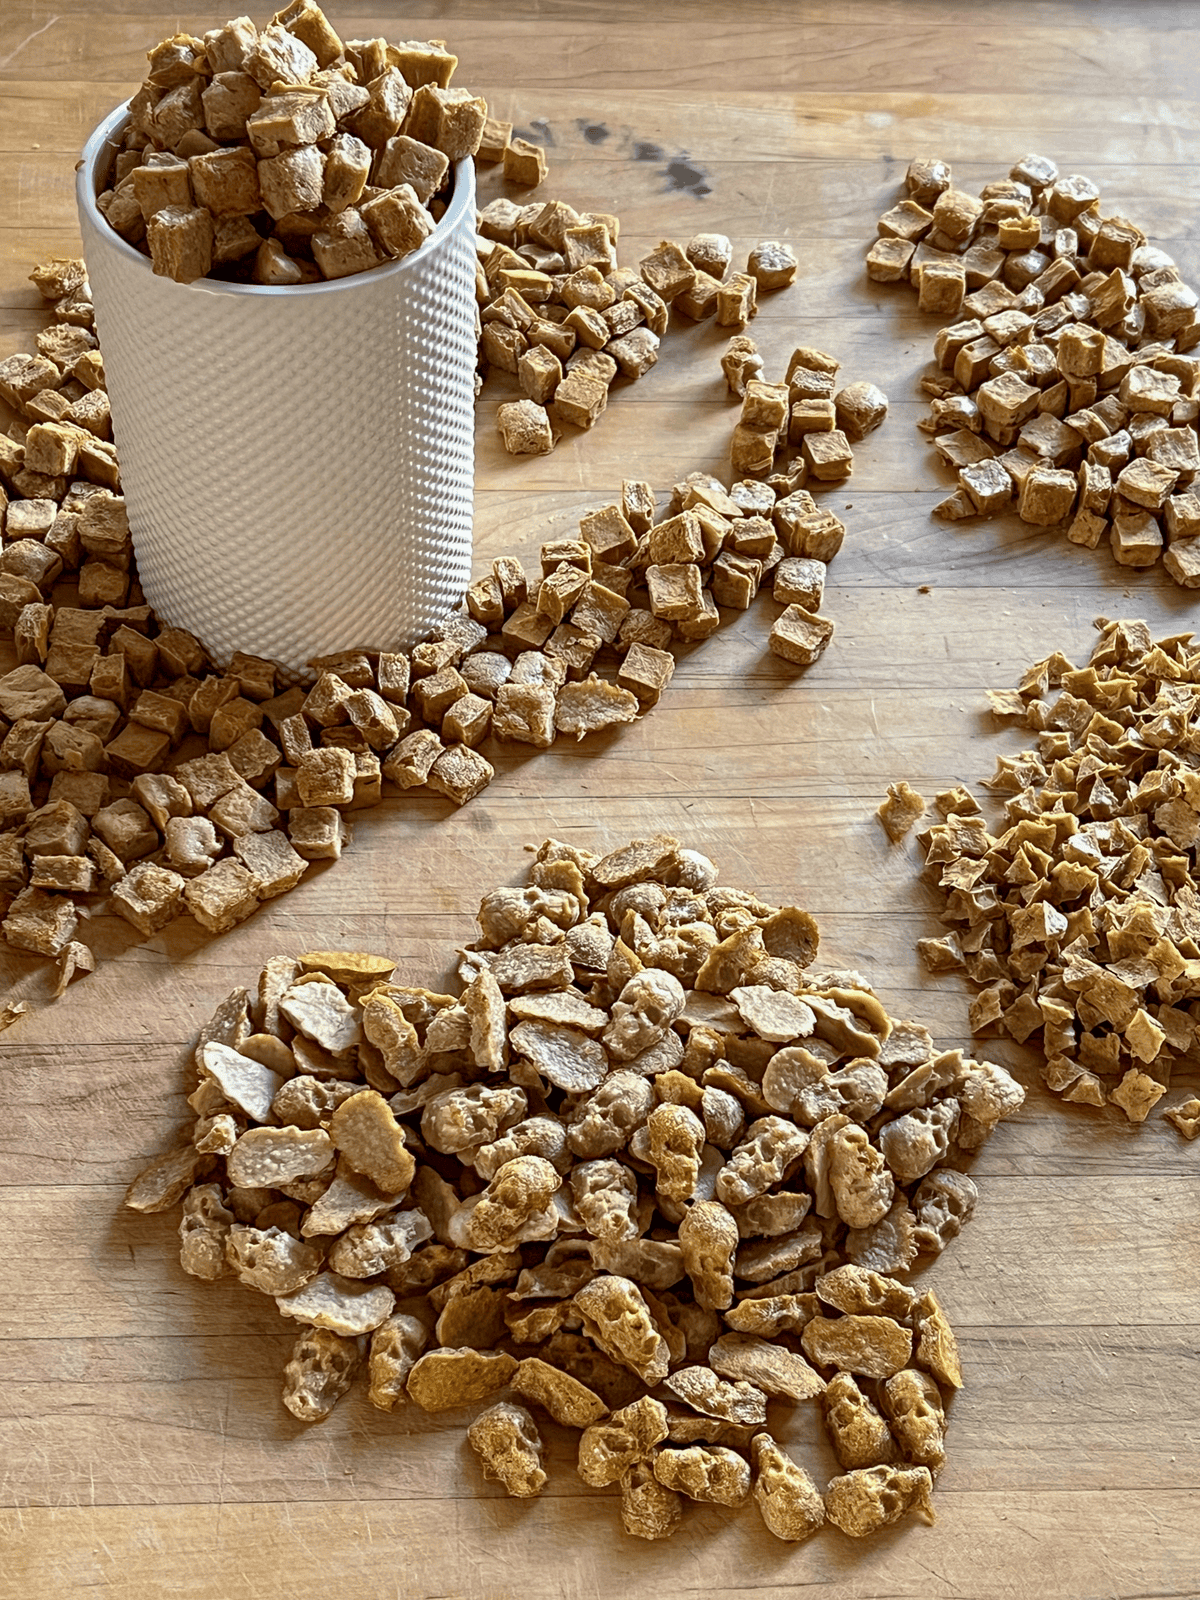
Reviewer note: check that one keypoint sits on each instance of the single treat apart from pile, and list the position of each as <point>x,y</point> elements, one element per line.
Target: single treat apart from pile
<point>648,1171</point>
<point>566,320</point>
<point>288,156</point>
<point>1066,380</point>
<point>1080,920</point>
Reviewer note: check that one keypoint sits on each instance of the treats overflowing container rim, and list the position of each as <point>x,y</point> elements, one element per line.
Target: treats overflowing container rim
<point>103,142</point>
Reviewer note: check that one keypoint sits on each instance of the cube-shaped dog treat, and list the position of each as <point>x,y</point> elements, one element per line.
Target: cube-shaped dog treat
<point>228,102</point>
<point>460,773</point>
<point>799,635</point>
<point>828,455</point>
<point>524,162</point>
<point>317,833</point>
<point>325,777</point>
<point>181,243</point>
<point>221,897</point>
<point>398,222</point>
<point>772,264</point>
<point>149,896</point>
<point>451,120</point>
<point>675,590</point>
<point>941,287</point>
<point>1047,496</point>
<point>667,270</point>
<point>294,180</point>
<point>525,427</point>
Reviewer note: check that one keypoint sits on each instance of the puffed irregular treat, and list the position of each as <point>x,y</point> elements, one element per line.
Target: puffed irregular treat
<point>713,1473</point>
<point>708,1237</point>
<point>608,1449</point>
<point>509,1447</point>
<point>788,1501</point>
<point>649,1510</point>
<point>862,1502</point>
<point>322,1366</point>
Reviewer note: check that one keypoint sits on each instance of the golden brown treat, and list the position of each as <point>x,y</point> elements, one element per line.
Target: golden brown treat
<point>711,1473</point>
<point>649,1510</point>
<point>443,1380</point>
<point>862,1502</point>
<point>788,1501</point>
<point>509,1448</point>
<point>902,808</point>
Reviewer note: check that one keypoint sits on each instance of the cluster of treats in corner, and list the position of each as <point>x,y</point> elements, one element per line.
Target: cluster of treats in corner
<point>1066,383</point>
<point>648,1171</point>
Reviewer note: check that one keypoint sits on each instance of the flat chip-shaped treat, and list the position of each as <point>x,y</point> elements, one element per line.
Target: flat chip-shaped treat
<point>162,1184</point>
<point>566,1057</point>
<point>858,1290</point>
<point>703,1390</point>
<point>443,1380</point>
<point>591,705</point>
<point>743,1358</point>
<point>568,1401</point>
<point>773,1013</point>
<point>637,862</point>
<point>350,1198</point>
<point>321,1012</point>
<point>771,1314</point>
<point>937,1348</point>
<point>349,967</point>
<point>874,1347</point>
<point>346,1307</point>
<point>366,1132</point>
<point>268,1158</point>
<point>245,1083</point>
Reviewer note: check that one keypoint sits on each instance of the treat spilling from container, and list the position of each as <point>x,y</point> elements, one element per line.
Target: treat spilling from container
<point>279,234</point>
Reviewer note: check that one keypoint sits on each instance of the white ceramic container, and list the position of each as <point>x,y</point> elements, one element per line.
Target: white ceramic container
<point>298,463</point>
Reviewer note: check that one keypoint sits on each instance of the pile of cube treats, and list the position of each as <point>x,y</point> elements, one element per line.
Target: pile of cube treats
<point>1066,389</point>
<point>559,313</point>
<point>128,762</point>
<point>288,156</point>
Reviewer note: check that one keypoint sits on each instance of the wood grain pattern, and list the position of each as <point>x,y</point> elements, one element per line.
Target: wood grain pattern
<point>143,1449</point>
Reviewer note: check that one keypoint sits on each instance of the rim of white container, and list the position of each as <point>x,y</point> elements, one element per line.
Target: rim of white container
<point>102,147</point>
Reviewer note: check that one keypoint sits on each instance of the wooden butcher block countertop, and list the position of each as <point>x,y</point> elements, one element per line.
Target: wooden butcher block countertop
<point>143,1447</point>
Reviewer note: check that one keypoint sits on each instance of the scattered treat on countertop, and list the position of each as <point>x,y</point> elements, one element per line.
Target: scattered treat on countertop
<point>650,1170</point>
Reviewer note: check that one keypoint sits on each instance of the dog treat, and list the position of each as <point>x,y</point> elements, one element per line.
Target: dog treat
<point>256,147</point>
<point>1056,369</point>
<point>1075,919</point>
<point>579,1196</point>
